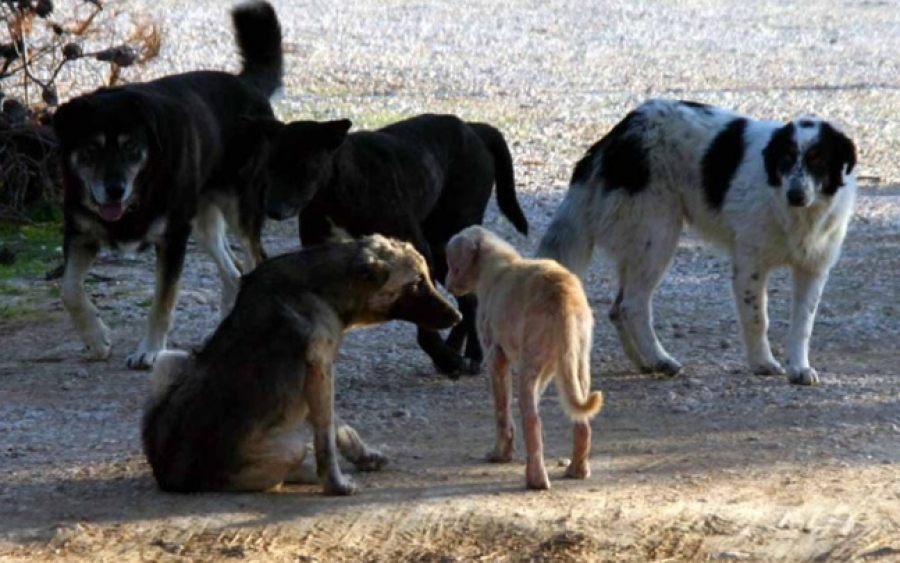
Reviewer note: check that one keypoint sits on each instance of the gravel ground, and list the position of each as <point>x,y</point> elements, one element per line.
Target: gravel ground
<point>716,465</point>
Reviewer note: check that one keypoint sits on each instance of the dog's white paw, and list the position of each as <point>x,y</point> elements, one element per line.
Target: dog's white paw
<point>768,368</point>
<point>144,357</point>
<point>803,376</point>
<point>97,339</point>
<point>578,470</point>
<point>536,476</point>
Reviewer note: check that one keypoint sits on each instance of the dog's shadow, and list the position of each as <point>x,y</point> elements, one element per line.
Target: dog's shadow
<point>136,498</point>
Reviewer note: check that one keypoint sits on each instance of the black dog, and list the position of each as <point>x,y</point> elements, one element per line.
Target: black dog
<point>142,162</point>
<point>421,180</point>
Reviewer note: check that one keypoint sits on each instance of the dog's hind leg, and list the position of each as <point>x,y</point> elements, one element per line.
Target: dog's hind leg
<point>270,460</point>
<point>808,288</point>
<point>529,396</point>
<point>356,451</point>
<point>351,447</point>
<point>210,232</point>
<point>169,264</point>
<point>88,324</point>
<point>642,264</point>
<point>615,316</point>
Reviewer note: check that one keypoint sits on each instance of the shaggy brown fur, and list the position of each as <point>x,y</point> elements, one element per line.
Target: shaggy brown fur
<point>229,419</point>
<point>533,316</point>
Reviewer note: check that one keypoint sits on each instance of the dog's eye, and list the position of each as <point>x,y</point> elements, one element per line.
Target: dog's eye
<point>788,160</point>
<point>815,159</point>
<point>130,147</point>
<point>89,153</point>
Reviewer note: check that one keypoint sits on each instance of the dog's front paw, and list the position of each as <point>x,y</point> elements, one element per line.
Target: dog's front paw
<point>460,365</point>
<point>803,376</point>
<point>339,487</point>
<point>536,477</point>
<point>578,470</point>
<point>97,340</point>
<point>143,358</point>
<point>768,368</point>
<point>499,455</point>
<point>666,367</point>
<point>373,460</point>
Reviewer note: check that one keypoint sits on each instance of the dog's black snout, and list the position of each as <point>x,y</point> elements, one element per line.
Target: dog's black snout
<point>115,191</point>
<point>796,198</point>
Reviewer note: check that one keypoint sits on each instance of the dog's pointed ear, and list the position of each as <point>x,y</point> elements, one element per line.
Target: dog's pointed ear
<point>262,126</point>
<point>334,132</point>
<point>843,153</point>
<point>779,148</point>
<point>66,120</point>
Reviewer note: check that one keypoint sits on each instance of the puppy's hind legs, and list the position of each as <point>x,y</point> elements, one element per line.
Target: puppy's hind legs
<point>529,393</point>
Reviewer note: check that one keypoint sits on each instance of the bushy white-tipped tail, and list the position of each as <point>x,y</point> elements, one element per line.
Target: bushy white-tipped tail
<point>167,369</point>
<point>569,239</point>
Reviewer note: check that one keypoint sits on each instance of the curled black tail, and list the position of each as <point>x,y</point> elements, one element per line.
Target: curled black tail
<point>504,175</point>
<point>258,36</point>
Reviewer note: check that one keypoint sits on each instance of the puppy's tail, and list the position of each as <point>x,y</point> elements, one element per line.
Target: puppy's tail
<point>258,35</point>
<point>568,239</point>
<point>573,374</point>
<point>504,175</point>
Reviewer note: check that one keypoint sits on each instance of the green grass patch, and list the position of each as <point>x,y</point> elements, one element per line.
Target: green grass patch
<point>37,248</point>
<point>377,120</point>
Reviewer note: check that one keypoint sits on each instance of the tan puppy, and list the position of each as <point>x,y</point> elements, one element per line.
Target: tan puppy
<point>533,315</point>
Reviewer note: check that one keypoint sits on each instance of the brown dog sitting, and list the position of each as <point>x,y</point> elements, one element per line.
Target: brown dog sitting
<point>229,418</point>
<point>534,316</point>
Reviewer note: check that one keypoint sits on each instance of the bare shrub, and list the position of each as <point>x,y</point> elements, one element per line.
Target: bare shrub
<point>42,47</point>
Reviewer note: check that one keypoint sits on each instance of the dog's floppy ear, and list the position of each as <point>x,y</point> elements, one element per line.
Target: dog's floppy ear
<point>334,132</point>
<point>368,270</point>
<point>842,153</point>
<point>467,247</point>
<point>780,148</point>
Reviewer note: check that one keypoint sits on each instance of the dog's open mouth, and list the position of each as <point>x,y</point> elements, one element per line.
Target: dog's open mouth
<point>111,211</point>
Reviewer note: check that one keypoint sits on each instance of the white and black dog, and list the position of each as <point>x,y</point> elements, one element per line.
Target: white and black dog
<point>770,193</point>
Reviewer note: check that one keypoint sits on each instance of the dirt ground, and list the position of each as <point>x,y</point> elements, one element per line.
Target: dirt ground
<point>713,465</point>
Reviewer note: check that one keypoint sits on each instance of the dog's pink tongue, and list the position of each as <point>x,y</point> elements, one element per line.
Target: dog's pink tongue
<point>112,211</point>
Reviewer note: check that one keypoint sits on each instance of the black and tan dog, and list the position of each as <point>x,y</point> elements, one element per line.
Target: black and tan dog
<point>148,162</point>
<point>229,419</point>
<point>421,180</point>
